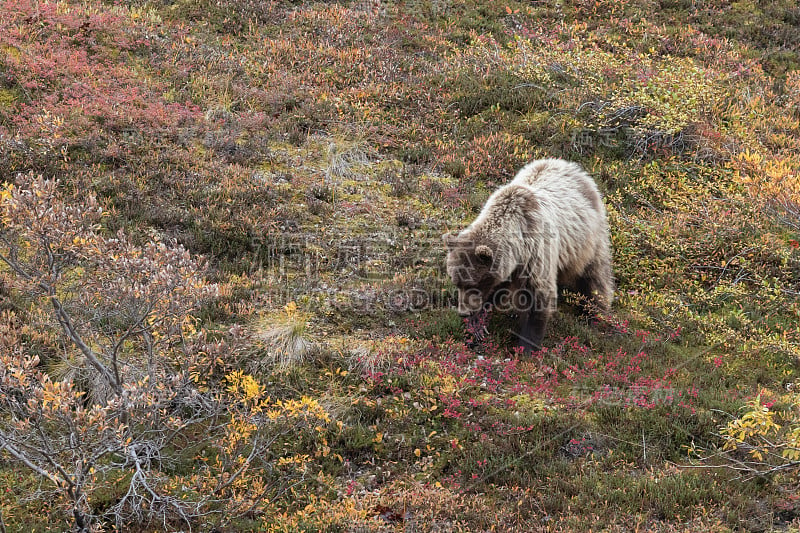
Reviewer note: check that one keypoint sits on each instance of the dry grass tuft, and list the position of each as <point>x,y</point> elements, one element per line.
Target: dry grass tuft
<point>284,338</point>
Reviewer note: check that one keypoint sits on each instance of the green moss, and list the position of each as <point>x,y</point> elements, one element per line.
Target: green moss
<point>20,512</point>
<point>8,98</point>
<point>501,90</point>
<point>438,324</point>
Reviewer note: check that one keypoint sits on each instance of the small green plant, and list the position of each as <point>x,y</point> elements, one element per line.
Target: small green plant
<point>764,440</point>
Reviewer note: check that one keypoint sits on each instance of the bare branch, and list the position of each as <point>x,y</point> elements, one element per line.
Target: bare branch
<point>66,324</point>
<point>21,457</point>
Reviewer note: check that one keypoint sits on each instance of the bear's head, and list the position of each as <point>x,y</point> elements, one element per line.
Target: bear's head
<point>472,264</point>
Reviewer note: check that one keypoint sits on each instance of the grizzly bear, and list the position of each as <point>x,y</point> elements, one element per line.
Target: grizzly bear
<point>545,229</point>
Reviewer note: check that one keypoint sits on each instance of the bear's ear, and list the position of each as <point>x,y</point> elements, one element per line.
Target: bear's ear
<point>483,251</point>
<point>449,240</point>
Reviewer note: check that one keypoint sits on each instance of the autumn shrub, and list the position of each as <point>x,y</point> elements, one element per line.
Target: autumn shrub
<point>64,62</point>
<point>345,514</point>
<point>769,447</point>
<point>654,103</point>
<point>492,158</point>
<point>119,309</point>
<point>263,455</point>
<point>123,389</point>
<point>474,390</point>
<point>774,182</point>
<point>761,441</point>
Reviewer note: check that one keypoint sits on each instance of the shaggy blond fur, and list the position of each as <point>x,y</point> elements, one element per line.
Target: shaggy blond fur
<point>544,229</point>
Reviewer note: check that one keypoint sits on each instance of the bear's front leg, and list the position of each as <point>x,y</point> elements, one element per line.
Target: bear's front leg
<point>531,330</point>
<point>533,322</point>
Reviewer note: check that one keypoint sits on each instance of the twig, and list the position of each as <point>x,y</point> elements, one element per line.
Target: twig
<point>644,449</point>
<point>24,460</point>
<point>66,324</point>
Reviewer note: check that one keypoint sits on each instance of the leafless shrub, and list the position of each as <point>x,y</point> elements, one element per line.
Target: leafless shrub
<point>128,378</point>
